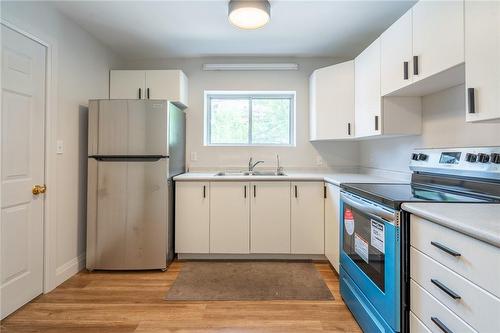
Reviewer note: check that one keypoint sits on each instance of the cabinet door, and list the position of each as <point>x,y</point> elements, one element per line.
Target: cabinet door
<point>270,217</point>
<point>308,219</point>
<point>229,217</point>
<point>368,109</point>
<point>127,84</point>
<point>332,102</point>
<point>332,224</point>
<point>438,37</point>
<point>482,55</point>
<point>168,85</point>
<point>192,217</point>
<point>396,54</point>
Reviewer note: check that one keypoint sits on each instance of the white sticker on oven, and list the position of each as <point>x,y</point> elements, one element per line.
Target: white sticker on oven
<point>361,247</point>
<point>349,221</point>
<point>377,236</point>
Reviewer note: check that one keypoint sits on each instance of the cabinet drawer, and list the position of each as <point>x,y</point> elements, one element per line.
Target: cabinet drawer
<point>475,306</point>
<point>433,314</point>
<point>416,326</point>
<point>475,260</point>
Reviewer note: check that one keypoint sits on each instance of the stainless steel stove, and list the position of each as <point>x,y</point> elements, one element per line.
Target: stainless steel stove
<point>374,253</point>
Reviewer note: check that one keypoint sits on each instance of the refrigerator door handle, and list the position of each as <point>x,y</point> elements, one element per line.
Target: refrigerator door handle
<point>128,158</point>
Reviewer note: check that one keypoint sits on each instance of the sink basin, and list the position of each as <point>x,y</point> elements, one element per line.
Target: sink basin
<point>248,173</point>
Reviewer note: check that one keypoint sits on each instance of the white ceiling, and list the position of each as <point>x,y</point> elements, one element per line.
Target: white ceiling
<point>165,29</point>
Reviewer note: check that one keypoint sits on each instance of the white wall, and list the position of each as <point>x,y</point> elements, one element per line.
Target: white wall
<point>304,155</point>
<point>80,72</point>
<point>443,126</point>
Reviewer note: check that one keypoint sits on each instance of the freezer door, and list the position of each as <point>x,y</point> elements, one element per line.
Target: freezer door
<point>130,127</point>
<point>131,215</point>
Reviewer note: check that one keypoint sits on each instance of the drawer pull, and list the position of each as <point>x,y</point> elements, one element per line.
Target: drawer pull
<point>446,249</point>
<point>440,324</point>
<point>447,290</point>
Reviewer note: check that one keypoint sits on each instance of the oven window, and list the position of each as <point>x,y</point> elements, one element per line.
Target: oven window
<point>364,243</point>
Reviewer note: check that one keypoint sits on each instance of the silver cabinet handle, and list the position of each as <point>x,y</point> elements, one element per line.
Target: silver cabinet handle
<point>440,324</point>
<point>444,288</point>
<point>445,249</point>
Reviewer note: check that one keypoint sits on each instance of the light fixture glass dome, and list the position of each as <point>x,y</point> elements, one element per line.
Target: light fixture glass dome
<point>249,14</point>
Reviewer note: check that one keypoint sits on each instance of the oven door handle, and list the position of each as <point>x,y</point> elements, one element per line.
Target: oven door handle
<point>368,208</point>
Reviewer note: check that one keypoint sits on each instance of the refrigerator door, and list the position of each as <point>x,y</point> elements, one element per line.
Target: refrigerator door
<point>177,140</point>
<point>130,127</point>
<point>131,214</point>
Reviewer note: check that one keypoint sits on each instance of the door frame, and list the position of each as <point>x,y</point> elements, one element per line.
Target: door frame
<point>49,211</point>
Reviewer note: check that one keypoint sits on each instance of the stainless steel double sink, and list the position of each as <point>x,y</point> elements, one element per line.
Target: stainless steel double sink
<point>249,173</point>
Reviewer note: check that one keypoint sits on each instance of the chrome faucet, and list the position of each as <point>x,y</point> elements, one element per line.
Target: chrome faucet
<point>279,168</point>
<point>252,165</point>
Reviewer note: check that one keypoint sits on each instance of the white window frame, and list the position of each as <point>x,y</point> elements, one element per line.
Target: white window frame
<point>250,95</point>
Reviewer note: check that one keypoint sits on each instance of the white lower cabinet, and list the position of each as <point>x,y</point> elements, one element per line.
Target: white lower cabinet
<point>192,217</point>
<point>270,217</point>
<point>307,218</point>
<point>229,217</point>
<point>261,217</point>
<point>332,225</point>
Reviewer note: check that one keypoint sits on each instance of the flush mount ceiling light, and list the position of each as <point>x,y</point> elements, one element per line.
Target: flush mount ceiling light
<point>248,14</point>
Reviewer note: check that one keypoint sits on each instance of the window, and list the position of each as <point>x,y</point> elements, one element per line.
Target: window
<point>249,118</point>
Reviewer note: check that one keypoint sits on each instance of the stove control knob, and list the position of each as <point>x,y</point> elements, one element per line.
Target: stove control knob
<point>483,158</point>
<point>471,157</point>
<point>422,157</point>
<point>414,157</point>
<point>495,158</point>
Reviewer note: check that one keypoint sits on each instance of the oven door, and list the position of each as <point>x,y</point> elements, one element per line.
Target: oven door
<point>370,254</point>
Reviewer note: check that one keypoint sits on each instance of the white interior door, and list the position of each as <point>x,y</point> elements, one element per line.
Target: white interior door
<point>23,115</point>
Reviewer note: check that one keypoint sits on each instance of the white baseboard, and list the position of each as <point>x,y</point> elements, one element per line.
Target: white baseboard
<point>254,256</point>
<point>69,268</point>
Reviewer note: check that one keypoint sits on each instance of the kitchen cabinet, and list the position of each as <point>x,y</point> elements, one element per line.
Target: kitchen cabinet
<point>482,54</point>
<point>438,37</point>
<point>171,85</point>
<point>423,51</point>
<point>396,55</point>
<point>270,217</point>
<point>332,225</point>
<point>307,218</point>
<point>377,115</point>
<point>229,217</point>
<point>331,102</point>
<point>192,217</point>
<point>127,84</point>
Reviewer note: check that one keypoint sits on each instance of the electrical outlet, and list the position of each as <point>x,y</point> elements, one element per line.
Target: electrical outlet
<point>194,156</point>
<point>319,160</point>
<point>59,147</point>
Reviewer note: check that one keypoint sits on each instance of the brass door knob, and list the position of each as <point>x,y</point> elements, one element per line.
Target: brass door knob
<point>38,189</point>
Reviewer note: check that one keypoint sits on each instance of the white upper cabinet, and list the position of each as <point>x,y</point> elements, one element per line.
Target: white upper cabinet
<point>229,217</point>
<point>423,51</point>
<point>438,37</point>
<point>127,84</point>
<point>308,218</point>
<point>368,101</point>
<point>171,85</point>
<point>396,55</point>
<point>331,98</point>
<point>482,58</point>
<point>376,115</point>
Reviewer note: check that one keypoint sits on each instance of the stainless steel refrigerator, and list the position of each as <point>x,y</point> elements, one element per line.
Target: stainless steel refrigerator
<point>135,147</point>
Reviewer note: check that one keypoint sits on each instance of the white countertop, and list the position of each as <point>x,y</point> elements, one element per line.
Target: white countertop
<point>330,177</point>
<point>481,221</point>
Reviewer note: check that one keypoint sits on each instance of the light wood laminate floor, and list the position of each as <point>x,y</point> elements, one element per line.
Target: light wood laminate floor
<point>134,302</point>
